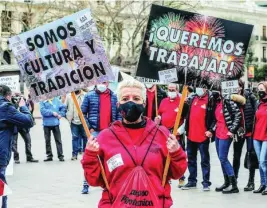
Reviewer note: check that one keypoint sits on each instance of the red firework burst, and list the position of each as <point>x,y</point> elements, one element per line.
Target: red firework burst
<point>204,25</point>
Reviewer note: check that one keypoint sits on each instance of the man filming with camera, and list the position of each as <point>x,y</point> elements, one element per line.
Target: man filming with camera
<point>24,133</point>
<point>10,119</point>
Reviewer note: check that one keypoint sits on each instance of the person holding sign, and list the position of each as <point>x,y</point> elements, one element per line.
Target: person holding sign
<point>227,119</point>
<point>150,110</point>
<point>167,115</point>
<point>100,110</point>
<point>133,152</point>
<point>52,111</point>
<point>9,120</point>
<point>199,127</point>
<point>260,136</point>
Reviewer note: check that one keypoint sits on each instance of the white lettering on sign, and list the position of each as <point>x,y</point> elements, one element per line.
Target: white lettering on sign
<point>230,87</point>
<point>168,76</point>
<point>84,19</point>
<point>114,162</point>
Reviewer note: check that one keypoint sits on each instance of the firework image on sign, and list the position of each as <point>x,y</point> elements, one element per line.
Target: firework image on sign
<point>62,56</point>
<point>202,48</point>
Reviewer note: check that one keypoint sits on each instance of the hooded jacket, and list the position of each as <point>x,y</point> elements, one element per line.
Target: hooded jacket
<point>10,119</point>
<point>153,165</point>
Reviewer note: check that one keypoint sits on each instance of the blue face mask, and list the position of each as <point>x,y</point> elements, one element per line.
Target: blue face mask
<point>101,87</point>
<point>200,92</point>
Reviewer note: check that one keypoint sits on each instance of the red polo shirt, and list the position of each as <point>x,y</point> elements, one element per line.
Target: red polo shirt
<point>197,120</point>
<point>221,127</point>
<point>104,110</point>
<point>150,101</point>
<point>168,110</point>
<point>260,131</point>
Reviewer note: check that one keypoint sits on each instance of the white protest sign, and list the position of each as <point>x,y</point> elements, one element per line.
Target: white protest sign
<point>148,80</point>
<point>10,167</point>
<point>230,87</point>
<point>12,82</point>
<point>62,56</point>
<point>168,76</point>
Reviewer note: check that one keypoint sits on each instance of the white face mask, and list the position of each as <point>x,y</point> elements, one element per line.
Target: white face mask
<point>200,92</point>
<point>101,87</point>
<point>172,95</point>
<point>149,86</point>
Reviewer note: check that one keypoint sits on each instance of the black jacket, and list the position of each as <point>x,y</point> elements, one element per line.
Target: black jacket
<point>249,110</point>
<point>232,115</point>
<point>161,94</point>
<point>209,112</point>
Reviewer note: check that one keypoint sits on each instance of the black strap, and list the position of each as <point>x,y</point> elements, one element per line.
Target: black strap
<point>128,150</point>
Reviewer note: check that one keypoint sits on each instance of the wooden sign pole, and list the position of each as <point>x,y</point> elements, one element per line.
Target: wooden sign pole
<point>176,125</point>
<point>156,100</point>
<point>88,134</point>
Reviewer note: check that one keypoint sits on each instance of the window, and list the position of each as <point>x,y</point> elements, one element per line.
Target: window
<point>7,57</point>
<point>101,29</point>
<point>264,32</point>
<point>264,52</point>
<point>6,21</point>
<point>117,32</point>
<point>118,3</point>
<point>100,2</point>
<point>26,20</point>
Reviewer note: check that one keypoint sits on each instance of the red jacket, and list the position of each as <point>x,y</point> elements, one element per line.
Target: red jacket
<point>153,165</point>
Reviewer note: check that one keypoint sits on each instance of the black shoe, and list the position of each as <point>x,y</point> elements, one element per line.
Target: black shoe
<point>233,186</point>
<point>48,159</point>
<point>32,160</point>
<point>264,192</point>
<point>225,185</point>
<point>61,159</point>
<point>260,189</point>
<point>189,186</point>
<point>74,157</point>
<point>17,162</point>
<point>250,187</point>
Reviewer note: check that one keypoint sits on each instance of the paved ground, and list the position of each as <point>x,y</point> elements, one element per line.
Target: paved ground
<point>56,184</point>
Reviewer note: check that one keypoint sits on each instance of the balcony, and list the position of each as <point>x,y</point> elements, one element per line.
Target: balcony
<point>264,60</point>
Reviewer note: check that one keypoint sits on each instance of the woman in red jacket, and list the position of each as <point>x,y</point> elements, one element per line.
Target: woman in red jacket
<point>260,136</point>
<point>133,153</point>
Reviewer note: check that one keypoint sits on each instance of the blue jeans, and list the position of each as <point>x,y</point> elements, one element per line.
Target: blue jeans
<point>192,148</point>
<point>3,178</point>
<point>261,151</point>
<point>77,132</point>
<point>222,147</point>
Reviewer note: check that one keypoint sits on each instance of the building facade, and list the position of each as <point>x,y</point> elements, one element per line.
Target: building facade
<point>122,24</point>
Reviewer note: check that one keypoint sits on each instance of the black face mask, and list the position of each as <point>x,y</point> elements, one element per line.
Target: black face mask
<point>131,111</point>
<point>77,92</point>
<point>262,94</point>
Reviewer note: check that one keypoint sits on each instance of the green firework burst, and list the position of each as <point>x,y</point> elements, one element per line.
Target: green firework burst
<point>169,20</point>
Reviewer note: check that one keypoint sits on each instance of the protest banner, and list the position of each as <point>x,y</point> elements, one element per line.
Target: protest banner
<point>251,72</point>
<point>203,48</point>
<point>12,82</point>
<point>62,56</point>
<point>230,87</point>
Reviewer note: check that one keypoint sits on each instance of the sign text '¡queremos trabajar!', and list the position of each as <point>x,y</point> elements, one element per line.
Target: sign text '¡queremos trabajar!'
<point>186,38</point>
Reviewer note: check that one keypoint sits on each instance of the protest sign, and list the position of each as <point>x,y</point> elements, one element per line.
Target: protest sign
<point>230,87</point>
<point>202,48</point>
<point>62,56</point>
<point>251,72</point>
<point>12,82</point>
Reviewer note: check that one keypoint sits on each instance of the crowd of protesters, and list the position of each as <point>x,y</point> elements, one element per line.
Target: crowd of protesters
<point>207,117</point>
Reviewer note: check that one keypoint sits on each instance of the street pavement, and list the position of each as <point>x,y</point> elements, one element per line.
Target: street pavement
<point>56,184</point>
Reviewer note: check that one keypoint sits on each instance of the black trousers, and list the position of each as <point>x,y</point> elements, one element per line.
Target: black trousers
<point>27,140</point>
<point>238,146</point>
<point>57,136</point>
